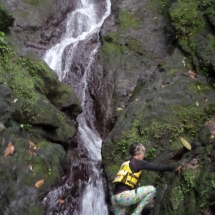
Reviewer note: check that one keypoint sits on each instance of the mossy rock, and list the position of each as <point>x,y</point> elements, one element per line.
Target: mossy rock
<point>162,109</point>
<point>27,165</point>
<point>188,192</point>
<point>37,98</point>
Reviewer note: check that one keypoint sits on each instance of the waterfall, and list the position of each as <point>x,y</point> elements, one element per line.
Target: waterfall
<point>83,192</point>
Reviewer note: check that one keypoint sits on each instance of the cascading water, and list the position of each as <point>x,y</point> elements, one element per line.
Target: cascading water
<point>81,189</point>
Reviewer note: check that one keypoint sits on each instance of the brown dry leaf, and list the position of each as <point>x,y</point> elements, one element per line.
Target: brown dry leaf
<point>32,144</point>
<point>192,74</point>
<point>39,183</point>
<point>60,201</point>
<point>31,152</point>
<point>179,169</point>
<point>9,150</point>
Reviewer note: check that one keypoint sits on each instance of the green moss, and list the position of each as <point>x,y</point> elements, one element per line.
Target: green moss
<point>128,20</point>
<point>109,48</point>
<point>45,162</point>
<point>199,88</point>
<point>136,46</point>
<point>113,168</point>
<point>36,210</point>
<point>210,48</point>
<point>160,6</point>
<point>183,120</point>
<point>111,37</point>
<point>124,49</point>
<point>171,72</point>
<point>186,18</point>
<point>148,177</point>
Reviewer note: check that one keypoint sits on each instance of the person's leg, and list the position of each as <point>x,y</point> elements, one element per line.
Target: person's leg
<point>145,194</point>
<point>118,209</point>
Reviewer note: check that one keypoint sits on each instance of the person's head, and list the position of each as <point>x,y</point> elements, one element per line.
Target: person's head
<point>137,150</point>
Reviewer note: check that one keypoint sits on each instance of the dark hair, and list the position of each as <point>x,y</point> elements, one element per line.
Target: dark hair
<point>132,148</point>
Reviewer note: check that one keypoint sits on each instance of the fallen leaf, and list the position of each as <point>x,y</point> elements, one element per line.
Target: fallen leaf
<point>32,144</point>
<point>39,183</point>
<point>31,152</point>
<point>15,100</point>
<point>179,169</point>
<point>211,139</point>
<point>185,143</point>
<point>9,150</point>
<point>30,167</point>
<point>183,61</point>
<point>192,74</point>
<point>60,201</point>
<point>119,109</point>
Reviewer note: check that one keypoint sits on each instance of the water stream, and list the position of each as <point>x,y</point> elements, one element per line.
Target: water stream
<point>81,189</point>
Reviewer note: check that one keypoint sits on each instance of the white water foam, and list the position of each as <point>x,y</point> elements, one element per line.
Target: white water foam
<point>81,24</point>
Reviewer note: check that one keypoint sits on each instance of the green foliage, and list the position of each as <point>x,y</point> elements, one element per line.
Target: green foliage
<point>187,182</point>
<point>183,120</point>
<point>2,37</point>
<point>205,5</point>
<point>151,153</point>
<point>26,126</point>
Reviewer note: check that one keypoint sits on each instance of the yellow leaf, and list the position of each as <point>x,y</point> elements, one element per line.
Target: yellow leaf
<point>15,100</point>
<point>119,109</point>
<point>39,183</point>
<point>185,143</point>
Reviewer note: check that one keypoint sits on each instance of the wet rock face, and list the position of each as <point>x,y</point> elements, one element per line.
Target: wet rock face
<point>134,38</point>
<point>156,89</point>
<point>27,165</point>
<point>37,24</point>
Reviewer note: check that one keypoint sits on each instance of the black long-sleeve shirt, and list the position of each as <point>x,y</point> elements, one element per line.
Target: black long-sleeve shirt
<point>137,165</point>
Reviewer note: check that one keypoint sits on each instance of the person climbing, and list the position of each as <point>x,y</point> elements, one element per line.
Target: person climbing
<point>126,191</point>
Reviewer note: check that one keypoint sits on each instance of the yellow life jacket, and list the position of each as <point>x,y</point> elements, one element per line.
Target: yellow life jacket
<point>126,176</point>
